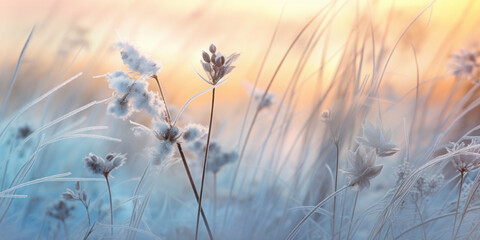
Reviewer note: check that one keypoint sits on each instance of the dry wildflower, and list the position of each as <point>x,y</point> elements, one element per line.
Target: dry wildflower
<point>24,132</point>
<point>465,63</point>
<point>193,132</point>
<point>258,94</point>
<point>326,116</point>
<point>105,166</point>
<point>377,138</point>
<point>217,157</point>
<point>363,168</point>
<point>466,157</point>
<point>78,195</point>
<point>216,65</point>
<point>60,210</point>
<point>136,61</point>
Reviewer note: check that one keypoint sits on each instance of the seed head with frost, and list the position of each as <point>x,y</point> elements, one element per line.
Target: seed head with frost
<point>216,66</point>
<point>136,61</point>
<point>465,63</point>
<point>105,166</point>
<point>60,210</point>
<point>79,194</point>
<point>193,132</point>
<point>258,94</point>
<point>377,138</point>
<point>217,157</point>
<point>466,157</point>
<point>363,168</point>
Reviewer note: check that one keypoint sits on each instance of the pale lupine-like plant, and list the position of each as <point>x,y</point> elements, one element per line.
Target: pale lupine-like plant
<point>378,138</point>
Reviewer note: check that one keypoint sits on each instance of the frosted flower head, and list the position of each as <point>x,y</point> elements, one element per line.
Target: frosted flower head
<point>377,138</point>
<point>162,153</point>
<point>60,210</point>
<point>465,63</point>
<point>466,158</point>
<point>193,132</point>
<point>217,157</point>
<point>136,61</point>
<point>166,132</point>
<point>120,107</point>
<point>23,132</point>
<point>216,65</point>
<point>105,166</point>
<point>119,81</point>
<point>79,194</point>
<point>258,94</point>
<point>363,168</point>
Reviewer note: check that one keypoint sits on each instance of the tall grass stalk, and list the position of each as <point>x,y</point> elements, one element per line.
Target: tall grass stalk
<point>204,171</point>
<point>353,214</point>
<point>296,229</point>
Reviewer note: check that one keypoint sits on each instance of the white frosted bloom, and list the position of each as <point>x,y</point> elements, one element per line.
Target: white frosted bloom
<point>105,166</point>
<point>119,81</point>
<point>193,132</point>
<point>217,157</point>
<point>363,168</point>
<point>162,152</point>
<point>120,108</point>
<point>143,99</point>
<point>136,61</point>
<point>377,138</point>
<point>466,158</point>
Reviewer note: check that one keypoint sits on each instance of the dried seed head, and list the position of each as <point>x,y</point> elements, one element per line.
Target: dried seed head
<point>205,57</point>
<point>212,48</point>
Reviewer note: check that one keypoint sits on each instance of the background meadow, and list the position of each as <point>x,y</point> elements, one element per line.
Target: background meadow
<point>340,120</point>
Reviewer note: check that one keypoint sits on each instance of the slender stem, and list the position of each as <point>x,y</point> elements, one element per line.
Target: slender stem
<point>86,209</point>
<point>214,200</point>
<point>336,185</point>
<point>205,163</point>
<point>169,119</point>
<point>192,184</point>
<point>66,229</point>
<point>111,205</point>
<point>353,214</point>
<point>458,203</point>
<point>421,219</point>
<point>295,230</point>
<point>184,160</point>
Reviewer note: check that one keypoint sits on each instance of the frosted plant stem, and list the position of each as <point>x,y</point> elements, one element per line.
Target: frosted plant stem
<point>184,160</point>
<point>66,229</point>
<point>192,184</point>
<point>353,214</point>
<point>296,229</point>
<point>214,200</point>
<point>205,163</point>
<point>88,214</point>
<point>111,205</point>
<point>458,203</point>
<point>169,119</point>
<point>336,185</point>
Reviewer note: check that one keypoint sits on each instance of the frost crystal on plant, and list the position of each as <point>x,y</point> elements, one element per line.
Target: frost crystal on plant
<point>466,157</point>
<point>377,138</point>
<point>363,168</point>
<point>136,61</point>
<point>105,166</point>
<point>60,210</point>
